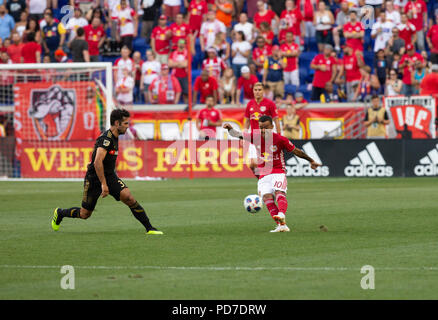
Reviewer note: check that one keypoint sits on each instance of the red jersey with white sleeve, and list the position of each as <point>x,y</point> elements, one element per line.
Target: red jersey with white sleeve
<point>121,64</point>
<point>293,18</point>
<point>125,19</point>
<point>416,9</point>
<point>406,31</point>
<point>270,152</point>
<point>214,66</point>
<point>255,110</point>
<point>162,43</point>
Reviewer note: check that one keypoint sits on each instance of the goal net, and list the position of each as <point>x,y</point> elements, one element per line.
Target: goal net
<point>50,115</point>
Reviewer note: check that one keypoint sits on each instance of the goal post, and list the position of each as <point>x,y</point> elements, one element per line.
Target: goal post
<point>54,107</point>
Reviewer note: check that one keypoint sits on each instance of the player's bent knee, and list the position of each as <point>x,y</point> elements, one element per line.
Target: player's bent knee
<point>267,197</point>
<point>126,197</point>
<point>85,214</point>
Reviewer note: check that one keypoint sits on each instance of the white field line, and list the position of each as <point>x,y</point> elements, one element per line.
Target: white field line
<point>206,268</point>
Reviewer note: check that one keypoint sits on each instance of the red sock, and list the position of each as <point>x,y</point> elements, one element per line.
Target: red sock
<point>282,202</point>
<point>273,210</point>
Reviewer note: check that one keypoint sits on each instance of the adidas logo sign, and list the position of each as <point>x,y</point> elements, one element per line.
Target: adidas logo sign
<point>428,165</point>
<point>297,167</point>
<point>369,163</point>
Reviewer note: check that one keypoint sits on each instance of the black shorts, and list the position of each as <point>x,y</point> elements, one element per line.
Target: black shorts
<point>93,190</point>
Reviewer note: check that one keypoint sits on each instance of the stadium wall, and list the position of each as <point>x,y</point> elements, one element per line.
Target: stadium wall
<point>226,159</point>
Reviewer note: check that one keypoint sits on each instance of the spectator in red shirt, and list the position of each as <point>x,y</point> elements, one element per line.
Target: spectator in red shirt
<point>354,32</point>
<point>206,86</point>
<point>196,11</point>
<point>417,15</point>
<point>136,72</point>
<point>15,49</point>
<point>31,51</point>
<point>261,53</point>
<point>325,71</point>
<point>350,70</point>
<point>407,30</point>
<point>294,20</point>
<point>432,41</point>
<point>160,40</point>
<point>264,15</point>
<point>180,30</point>
<point>407,64</point>
<point>178,62</point>
<point>266,32</point>
<point>95,36</point>
<point>165,89</point>
<point>429,85</point>
<point>208,119</point>
<point>213,64</point>
<point>290,52</point>
<point>247,82</point>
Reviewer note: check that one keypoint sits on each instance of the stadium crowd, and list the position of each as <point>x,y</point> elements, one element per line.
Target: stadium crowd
<point>325,51</point>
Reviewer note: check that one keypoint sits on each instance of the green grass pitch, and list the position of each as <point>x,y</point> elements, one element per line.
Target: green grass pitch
<point>213,249</point>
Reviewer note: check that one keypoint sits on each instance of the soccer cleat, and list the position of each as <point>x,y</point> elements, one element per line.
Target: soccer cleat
<point>56,220</point>
<point>284,228</point>
<point>277,229</point>
<point>154,231</point>
<point>280,218</point>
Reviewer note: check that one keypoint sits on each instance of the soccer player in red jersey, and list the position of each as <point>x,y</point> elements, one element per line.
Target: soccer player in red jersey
<point>272,182</point>
<point>257,107</point>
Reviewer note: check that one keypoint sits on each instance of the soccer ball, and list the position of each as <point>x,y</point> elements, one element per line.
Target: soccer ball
<point>253,203</point>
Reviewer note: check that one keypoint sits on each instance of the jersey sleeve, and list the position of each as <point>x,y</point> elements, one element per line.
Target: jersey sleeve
<point>287,144</point>
<point>104,142</point>
<point>274,112</point>
<point>247,115</point>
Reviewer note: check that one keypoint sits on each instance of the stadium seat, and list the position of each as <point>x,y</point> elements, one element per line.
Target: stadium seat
<point>139,44</point>
<point>369,58</point>
<point>306,58</point>
<point>303,74</point>
<point>310,44</point>
<point>290,88</point>
<point>195,74</point>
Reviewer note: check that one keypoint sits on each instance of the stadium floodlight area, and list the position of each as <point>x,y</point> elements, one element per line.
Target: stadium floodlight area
<point>52,105</point>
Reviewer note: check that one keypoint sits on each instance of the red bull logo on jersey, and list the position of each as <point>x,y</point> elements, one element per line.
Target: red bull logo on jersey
<point>53,112</point>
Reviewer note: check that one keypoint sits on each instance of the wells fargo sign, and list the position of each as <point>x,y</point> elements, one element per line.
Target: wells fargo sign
<point>169,159</point>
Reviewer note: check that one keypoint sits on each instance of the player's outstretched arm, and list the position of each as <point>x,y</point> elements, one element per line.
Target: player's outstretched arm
<point>300,153</point>
<point>233,132</point>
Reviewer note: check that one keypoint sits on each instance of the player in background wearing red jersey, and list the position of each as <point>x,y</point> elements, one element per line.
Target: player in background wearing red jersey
<point>272,182</point>
<point>257,107</point>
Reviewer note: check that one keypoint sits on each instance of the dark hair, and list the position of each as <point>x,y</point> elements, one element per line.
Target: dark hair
<point>265,118</point>
<point>118,115</point>
<point>80,32</point>
<point>242,35</point>
<point>30,37</point>
<point>37,25</point>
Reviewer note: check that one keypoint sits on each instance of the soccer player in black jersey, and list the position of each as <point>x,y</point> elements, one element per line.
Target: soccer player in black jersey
<point>101,178</point>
